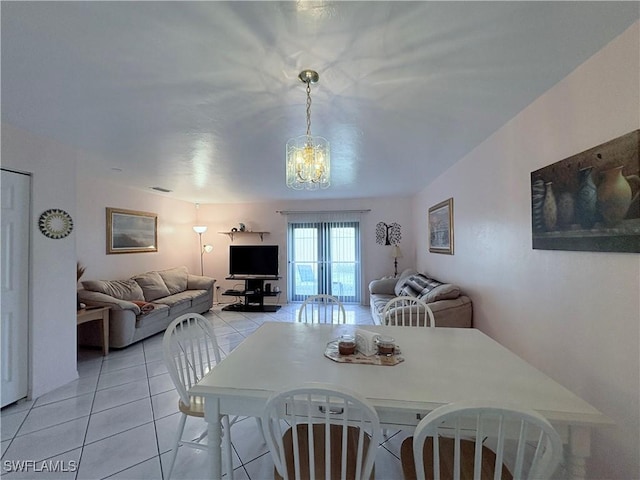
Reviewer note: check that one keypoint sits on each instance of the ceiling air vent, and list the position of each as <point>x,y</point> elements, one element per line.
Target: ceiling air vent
<point>160,189</point>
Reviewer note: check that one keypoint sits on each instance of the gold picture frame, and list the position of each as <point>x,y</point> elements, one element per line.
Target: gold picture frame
<point>441,227</point>
<point>131,231</point>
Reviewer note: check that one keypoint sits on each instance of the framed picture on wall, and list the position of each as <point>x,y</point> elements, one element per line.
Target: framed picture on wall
<point>589,201</point>
<point>131,231</point>
<point>441,227</point>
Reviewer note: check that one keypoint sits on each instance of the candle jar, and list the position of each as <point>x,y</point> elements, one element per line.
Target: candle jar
<point>386,345</point>
<point>347,345</point>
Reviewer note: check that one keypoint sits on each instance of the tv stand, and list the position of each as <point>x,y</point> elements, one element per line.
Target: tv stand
<point>253,294</point>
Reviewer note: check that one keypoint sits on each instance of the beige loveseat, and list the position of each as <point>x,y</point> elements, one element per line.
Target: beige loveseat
<point>143,305</point>
<point>450,307</point>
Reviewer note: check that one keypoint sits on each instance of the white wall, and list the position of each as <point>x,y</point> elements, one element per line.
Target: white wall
<point>177,242</point>
<point>376,259</point>
<point>574,315</point>
<point>53,262</point>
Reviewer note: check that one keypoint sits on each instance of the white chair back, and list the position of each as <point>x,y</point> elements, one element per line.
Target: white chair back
<point>190,350</point>
<point>305,427</point>
<point>407,311</point>
<point>521,440</point>
<point>322,309</point>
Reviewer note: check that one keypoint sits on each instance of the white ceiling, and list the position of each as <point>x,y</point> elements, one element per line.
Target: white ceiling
<point>201,97</point>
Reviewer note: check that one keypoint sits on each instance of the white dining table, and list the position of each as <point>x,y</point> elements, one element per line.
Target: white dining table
<point>441,366</point>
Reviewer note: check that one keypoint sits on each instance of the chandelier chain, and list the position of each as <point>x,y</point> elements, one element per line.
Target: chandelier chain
<point>308,158</point>
<point>308,108</point>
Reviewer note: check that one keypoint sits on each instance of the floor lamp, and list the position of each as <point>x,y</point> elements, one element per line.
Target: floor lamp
<point>200,229</point>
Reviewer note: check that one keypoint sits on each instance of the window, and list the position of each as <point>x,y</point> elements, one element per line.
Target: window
<point>324,256</point>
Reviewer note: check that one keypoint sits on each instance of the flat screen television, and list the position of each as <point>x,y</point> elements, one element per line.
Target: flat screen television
<point>253,260</point>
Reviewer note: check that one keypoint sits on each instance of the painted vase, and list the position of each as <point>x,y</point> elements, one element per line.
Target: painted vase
<point>566,209</point>
<point>586,198</point>
<point>537,201</point>
<point>615,195</point>
<point>549,208</point>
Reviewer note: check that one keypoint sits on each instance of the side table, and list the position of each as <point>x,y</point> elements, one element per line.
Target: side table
<point>98,313</point>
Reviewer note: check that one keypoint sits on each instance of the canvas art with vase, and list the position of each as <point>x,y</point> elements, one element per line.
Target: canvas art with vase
<point>589,201</point>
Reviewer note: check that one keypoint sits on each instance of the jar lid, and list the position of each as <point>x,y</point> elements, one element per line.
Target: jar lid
<point>385,340</point>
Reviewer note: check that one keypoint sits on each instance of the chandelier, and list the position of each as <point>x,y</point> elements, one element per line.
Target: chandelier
<point>308,157</point>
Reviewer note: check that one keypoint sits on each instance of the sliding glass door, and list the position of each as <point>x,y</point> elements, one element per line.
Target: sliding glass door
<point>324,257</point>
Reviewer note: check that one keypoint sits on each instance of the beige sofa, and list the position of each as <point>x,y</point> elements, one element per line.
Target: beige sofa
<point>450,307</point>
<point>143,305</point>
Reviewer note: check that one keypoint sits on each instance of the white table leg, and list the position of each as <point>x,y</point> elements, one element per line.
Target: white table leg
<point>214,440</point>
<point>579,451</point>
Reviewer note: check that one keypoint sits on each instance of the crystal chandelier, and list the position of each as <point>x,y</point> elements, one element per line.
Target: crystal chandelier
<point>308,157</point>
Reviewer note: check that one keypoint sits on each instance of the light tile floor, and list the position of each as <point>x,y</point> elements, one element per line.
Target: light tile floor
<point>118,419</point>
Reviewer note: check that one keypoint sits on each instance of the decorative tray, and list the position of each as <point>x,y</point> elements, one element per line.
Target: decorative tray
<point>331,352</point>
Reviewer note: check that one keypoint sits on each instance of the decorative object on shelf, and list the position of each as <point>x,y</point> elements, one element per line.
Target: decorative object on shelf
<point>131,231</point>
<point>243,227</point>
<point>441,227</point>
<point>308,157</point>
<point>396,253</point>
<point>200,229</point>
<point>388,234</point>
<point>586,198</point>
<point>596,198</point>
<point>234,229</point>
<point>55,223</point>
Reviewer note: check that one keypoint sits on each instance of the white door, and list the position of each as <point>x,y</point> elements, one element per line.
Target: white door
<point>14,331</point>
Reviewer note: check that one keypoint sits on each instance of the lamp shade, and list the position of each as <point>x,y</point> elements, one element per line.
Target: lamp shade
<point>207,248</point>
<point>199,228</point>
<point>396,252</point>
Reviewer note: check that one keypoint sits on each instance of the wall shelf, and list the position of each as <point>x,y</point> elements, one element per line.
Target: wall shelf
<point>232,234</point>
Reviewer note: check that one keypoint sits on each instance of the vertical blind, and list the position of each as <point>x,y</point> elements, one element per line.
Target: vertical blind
<point>324,255</point>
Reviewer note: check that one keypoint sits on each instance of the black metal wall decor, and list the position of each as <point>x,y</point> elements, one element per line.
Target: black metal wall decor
<point>388,234</point>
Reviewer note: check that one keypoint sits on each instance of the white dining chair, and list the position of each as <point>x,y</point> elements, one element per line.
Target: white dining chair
<point>408,311</point>
<point>481,441</point>
<point>190,351</point>
<point>321,431</point>
<point>322,309</point>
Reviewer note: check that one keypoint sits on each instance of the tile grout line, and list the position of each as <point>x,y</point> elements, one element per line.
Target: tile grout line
<point>86,430</point>
<point>153,416</point>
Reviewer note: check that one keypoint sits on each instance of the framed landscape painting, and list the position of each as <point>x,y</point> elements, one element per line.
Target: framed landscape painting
<point>130,231</point>
<point>441,227</point>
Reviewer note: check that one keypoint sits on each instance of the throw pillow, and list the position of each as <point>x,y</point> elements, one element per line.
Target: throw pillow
<point>414,285</point>
<point>175,279</point>
<point>121,289</point>
<point>402,279</point>
<point>444,291</point>
<point>407,291</point>
<point>152,286</point>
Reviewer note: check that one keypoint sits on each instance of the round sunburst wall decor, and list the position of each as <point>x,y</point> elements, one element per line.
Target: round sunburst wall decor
<point>55,223</point>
